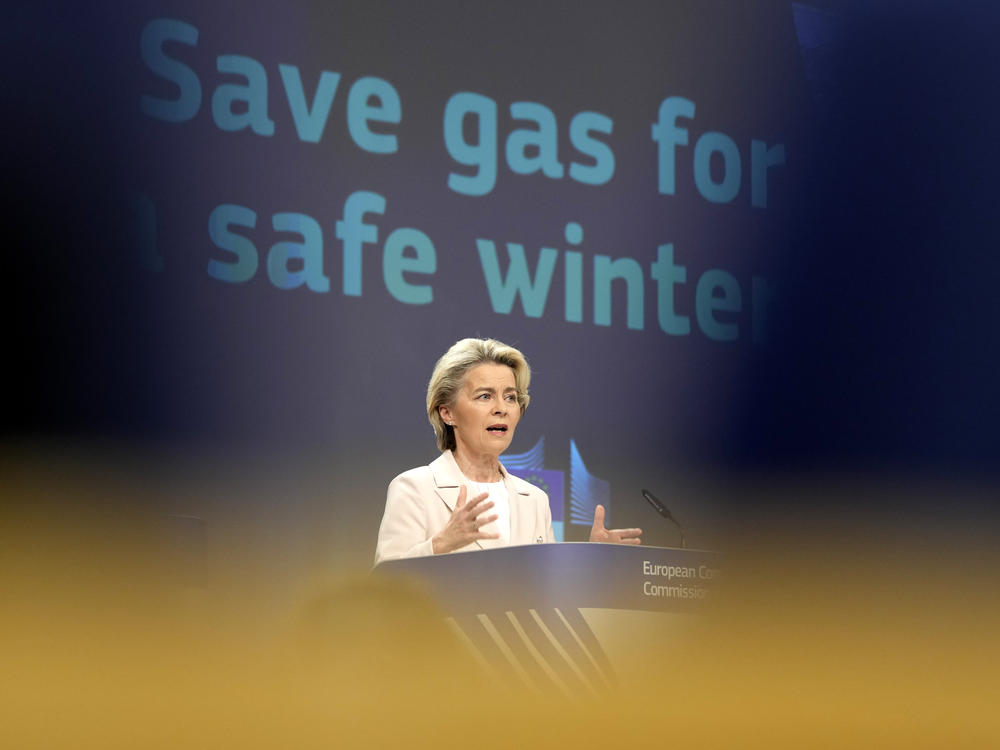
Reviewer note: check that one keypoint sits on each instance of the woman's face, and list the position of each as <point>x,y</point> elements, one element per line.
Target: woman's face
<point>485,411</point>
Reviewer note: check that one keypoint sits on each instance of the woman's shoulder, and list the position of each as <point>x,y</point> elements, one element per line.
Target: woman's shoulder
<point>416,474</point>
<point>428,472</point>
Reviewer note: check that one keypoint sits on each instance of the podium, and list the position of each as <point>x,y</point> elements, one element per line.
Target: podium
<point>563,616</point>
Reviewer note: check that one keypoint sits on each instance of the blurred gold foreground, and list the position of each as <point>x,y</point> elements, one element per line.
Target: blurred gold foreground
<point>828,642</point>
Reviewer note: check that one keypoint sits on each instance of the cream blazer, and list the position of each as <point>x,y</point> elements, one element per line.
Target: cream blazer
<point>420,501</point>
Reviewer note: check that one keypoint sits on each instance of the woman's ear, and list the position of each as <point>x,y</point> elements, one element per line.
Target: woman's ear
<point>445,413</point>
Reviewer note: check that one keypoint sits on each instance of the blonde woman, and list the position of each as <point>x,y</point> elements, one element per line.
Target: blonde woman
<point>465,499</point>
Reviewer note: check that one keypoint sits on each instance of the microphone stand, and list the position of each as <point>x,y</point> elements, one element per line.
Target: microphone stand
<point>665,512</point>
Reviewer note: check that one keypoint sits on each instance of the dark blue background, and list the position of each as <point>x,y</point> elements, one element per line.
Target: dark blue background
<point>880,235</point>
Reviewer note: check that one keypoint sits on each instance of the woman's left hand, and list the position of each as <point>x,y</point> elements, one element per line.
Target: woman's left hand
<point>615,536</point>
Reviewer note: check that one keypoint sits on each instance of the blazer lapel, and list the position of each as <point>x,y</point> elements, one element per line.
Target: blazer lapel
<point>448,479</point>
<point>522,513</point>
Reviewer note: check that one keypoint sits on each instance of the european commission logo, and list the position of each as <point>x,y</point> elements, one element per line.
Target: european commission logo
<point>586,491</point>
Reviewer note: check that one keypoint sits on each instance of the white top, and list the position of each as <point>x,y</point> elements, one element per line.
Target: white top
<point>501,507</point>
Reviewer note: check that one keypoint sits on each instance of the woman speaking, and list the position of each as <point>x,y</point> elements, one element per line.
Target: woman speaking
<point>465,499</point>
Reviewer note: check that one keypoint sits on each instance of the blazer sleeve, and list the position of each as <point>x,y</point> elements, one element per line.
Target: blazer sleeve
<point>549,533</point>
<point>546,518</point>
<point>405,529</point>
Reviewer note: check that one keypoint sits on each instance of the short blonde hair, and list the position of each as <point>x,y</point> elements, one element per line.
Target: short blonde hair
<point>449,374</point>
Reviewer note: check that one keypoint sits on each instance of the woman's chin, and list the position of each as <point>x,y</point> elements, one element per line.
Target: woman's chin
<point>505,442</point>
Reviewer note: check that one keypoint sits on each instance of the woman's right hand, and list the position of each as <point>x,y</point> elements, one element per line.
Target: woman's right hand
<point>464,525</point>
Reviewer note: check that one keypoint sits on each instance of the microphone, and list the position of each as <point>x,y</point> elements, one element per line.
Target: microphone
<point>665,512</point>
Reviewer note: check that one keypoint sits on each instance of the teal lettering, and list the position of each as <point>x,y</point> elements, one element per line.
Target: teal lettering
<point>361,111</point>
<point>707,302</point>
<point>395,262</point>
<point>151,41</point>
<point>309,121</point>
<point>668,136</point>
<point>354,233</point>
<point>309,251</point>
<point>253,94</point>
<point>503,291</point>
<point>725,190</point>
<point>482,153</point>
<point>580,129</point>
<point>142,232</point>
<point>762,159</point>
<point>542,142</point>
<point>219,223</point>
<point>574,286</point>
<point>574,274</point>
<point>606,271</point>
<point>667,275</point>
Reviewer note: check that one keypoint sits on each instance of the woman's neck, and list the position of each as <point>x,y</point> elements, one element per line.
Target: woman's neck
<point>483,468</point>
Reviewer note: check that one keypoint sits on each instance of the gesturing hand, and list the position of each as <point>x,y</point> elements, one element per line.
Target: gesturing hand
<point>464,525</point>
<point>616,536</point>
